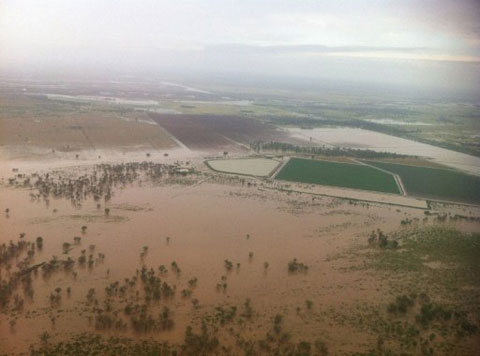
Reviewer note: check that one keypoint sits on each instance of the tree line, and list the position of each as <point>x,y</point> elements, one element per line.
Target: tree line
<point>322,150</point>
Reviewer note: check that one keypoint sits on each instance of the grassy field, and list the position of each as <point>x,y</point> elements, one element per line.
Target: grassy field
<point>433,277</point>
<point>337,174</point>
<point>435,183</point>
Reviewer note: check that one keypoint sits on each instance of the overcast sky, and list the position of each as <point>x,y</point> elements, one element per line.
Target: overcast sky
<point>422,42</point>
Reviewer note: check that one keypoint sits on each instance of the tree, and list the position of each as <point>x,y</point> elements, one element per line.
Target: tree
<point>44,337</point>
<point>309,304</point>
<point>39,242</point>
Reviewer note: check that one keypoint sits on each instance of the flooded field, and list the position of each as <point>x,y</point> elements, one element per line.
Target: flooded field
<point>187,225</point>
<point>148,255</point>
<point>364,139</point>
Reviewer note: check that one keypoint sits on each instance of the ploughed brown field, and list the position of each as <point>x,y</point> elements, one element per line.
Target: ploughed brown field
<point>215,131</point>
<point>38,126</point>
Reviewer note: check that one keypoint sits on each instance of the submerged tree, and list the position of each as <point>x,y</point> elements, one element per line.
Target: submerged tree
<point>39,242</point>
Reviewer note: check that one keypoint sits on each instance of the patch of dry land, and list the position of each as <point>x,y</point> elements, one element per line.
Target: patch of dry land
<point>259,167</point>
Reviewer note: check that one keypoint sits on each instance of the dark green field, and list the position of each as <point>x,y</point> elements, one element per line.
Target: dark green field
<point>337,174</point>
<point>436,183</point>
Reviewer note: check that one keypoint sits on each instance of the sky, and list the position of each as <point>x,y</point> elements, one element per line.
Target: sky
<point>430,43</point>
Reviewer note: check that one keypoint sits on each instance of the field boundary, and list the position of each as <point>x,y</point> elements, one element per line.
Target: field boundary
<point>176,140</point>
<point>442,168</point>
<point>434,183</point>
<point>322,171</point>
<point>279,168</point>
<point>427,207</point>
<point>394,195</point>
<point>426,198</point>
<point>398,179</point>
<point>237,143</point>
<point>242,174</point>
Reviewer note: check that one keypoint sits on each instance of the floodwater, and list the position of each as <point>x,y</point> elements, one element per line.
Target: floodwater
<point>187,88</point>
<point>218,102</point>
<point>365,139</point>
<point>207,223</point>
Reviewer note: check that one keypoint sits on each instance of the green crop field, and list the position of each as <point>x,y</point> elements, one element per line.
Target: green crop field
<point>436,183</point>
<point>337,174</point>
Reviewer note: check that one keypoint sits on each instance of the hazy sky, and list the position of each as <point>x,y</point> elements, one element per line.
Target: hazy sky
<point>422,42</point>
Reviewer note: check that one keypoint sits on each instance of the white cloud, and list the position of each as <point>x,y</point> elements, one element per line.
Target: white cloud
<point>156,34</point>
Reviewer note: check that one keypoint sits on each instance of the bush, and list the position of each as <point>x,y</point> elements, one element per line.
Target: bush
<point>295,266</point>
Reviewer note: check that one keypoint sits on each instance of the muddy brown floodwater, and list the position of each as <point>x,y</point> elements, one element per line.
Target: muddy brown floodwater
<point>199,227</point>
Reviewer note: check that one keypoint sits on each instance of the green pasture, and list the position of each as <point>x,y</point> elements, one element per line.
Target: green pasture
<point>338,174</point>
<point>434,183</point>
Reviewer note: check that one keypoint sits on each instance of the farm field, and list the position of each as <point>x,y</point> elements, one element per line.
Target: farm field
<point>33,124</point>
<point>214,131</point>
<point>260,167</point>
<point>436,183</point>
<point>337,174</point>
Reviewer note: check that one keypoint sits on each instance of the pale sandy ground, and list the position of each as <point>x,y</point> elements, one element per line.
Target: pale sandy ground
<point>260,167</point>
<point>354,194</point>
